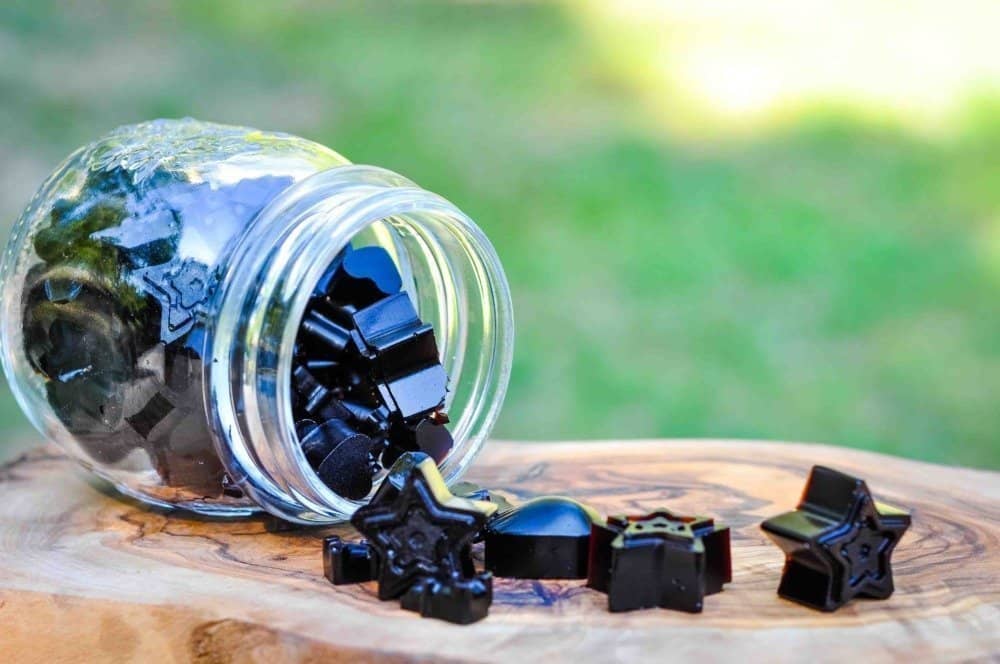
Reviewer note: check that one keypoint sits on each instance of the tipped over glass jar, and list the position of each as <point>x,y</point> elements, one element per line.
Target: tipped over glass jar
<point>157,295</point>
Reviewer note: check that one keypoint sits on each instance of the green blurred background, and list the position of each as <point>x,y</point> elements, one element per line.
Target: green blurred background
<point>751,220</point>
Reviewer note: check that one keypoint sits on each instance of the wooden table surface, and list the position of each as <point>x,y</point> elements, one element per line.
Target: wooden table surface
<point>88,576</point>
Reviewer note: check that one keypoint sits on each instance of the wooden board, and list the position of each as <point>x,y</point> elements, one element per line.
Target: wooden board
<point>88,576</point>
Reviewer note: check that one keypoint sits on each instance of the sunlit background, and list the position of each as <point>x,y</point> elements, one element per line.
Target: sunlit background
<point>719,219</point>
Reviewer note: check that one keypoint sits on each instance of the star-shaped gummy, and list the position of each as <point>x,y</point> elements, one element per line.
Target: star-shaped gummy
<point>181,288</point>
<point>838,543</point>
<point>659,559</point>
<point>418,528</point>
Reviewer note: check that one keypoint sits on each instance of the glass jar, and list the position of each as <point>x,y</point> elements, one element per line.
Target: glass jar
<point>154,287</point>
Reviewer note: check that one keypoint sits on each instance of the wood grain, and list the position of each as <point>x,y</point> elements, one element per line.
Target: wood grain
<point>88,576</point>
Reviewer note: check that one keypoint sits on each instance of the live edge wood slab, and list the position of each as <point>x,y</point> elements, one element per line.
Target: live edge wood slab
<point>88,576</point>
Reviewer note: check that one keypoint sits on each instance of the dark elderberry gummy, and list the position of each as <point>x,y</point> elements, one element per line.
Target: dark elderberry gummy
<point>310,393</point>
<point>364,276</point>
<point>348,562</point>
<point>331,337</point>
<point>367,371</point>
<point>460,601</point>
<point>318,441</point>
<point>659,560</point>
<point>391,333</point>
<point>375,419</point>
<point>838,543</point>
<point>418,528</point>
<point>433,439</point>
<point>417,394</point>
<point>325,282</point>
<point>111,311</point>
<point>427,436</point>
<point>347,468</point>
<point>545,538</point>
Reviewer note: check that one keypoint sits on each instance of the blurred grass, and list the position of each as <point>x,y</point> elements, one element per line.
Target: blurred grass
<point>833,277</point>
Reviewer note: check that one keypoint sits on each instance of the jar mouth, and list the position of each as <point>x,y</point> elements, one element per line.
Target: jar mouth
<point>449,269</point>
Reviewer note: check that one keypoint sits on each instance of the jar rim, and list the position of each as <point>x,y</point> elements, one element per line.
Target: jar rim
<point>264,293</point>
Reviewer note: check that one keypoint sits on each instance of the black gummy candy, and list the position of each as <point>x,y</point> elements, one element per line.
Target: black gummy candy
<point>347,468</point>
<point>348,562</point>
<point>368,368</point>
<point>460,601</point>
<point>417,527</point>
<point>316,442</point>
<point>416,394</point>
<point>838,543</point>
<point>659,560</point>
<point>390,331</point>
<point>545,538</point>
<point>364,276</point>
<point>326,281</point>
<point>427,436</point>
<point>331,336</point>
<point>312,394</point>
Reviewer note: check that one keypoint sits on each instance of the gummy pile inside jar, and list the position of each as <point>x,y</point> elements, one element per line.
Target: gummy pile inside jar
<point>114,314</point>
<point>367,378</point>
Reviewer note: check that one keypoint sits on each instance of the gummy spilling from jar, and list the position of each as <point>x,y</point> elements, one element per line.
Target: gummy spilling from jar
<point>367,377</point>
<point>114,312</point>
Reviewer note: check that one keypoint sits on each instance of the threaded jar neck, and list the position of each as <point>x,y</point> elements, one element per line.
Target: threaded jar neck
<point>449,269</point>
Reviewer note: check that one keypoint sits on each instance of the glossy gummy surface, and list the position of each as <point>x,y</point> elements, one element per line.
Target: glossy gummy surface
<point>838,543</point>
<point>459,601</point>
<point>348,562</point>
<point>545,538</point>
<point>660,559</point>
<point>418,528</point>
